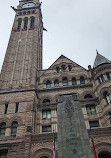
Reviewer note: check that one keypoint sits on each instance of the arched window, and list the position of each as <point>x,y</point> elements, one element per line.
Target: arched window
<point>48,84</point>
<point>56,83</point>
<point>108,75</point>
<point>63,67</point>
<point>25,23</point>
<point>57,69</point>
<point>69,67</point>
<point>102,78</point>
<point>32,21</point>
<point>88,96</point>
<point>2,129</point>
<point>74,82</point>
<point>46,101</point>
<point>14,129</point>
<point>107,97</point>
<point>65,81</point>
<point>82,80</point>
<point>99,81</point>
<point>19,24</point>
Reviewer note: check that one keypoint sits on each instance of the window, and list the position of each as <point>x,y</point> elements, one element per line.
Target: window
<point>2,129</point>
<point>24,13</point>
<point>32,20</point>
<point>74,82</point>
<point>91,109</point>
<point>102,78</point>
<point>88,96</point>
<point>65,81</point>
<point>3,153</point>
<point>46,129</point>
<point>56,83</point>
<point>69,67</point>
<point>108,75</point>
<point>19,24</point>
<point>82,80</point>
<point>94,124</point>
<point>99,81</point>
<point>48,84</point>
<point>25,23</point>
<point>46,114</point>
<point>6,109</point>
<point>14,129</point>
<point>16,107</point>
<point>46,101</point>
<point>63,67</point>
<point>57,69</point>
<point>107,98</point>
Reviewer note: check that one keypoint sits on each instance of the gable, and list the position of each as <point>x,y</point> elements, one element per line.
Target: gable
<point>62,60</point>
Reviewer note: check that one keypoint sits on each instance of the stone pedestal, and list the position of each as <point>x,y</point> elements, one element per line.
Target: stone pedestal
<point>73,141</point>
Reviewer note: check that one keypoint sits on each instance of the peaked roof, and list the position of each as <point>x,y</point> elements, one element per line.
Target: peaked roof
<point>100,60</point>
<point>61,58</point>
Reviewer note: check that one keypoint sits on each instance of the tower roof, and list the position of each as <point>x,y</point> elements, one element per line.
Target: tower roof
<point>100,60</point>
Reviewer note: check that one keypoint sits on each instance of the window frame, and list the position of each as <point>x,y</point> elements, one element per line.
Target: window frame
<point>95,121</point>
<point>48,84</point>
<point>91,109</point>
<point>65,81</point>
<point>46,113</point>
<point>82,80</point>
<point>47,129</point>
<point>56,83</point>
<point>32,22</point>
<point>25,23</point>
<point>2,130</point>
<point>14,127</point>
<point>74,81</point>
<point>19,24</point>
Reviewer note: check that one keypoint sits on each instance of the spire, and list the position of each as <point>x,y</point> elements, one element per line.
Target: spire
<point>100,60</point>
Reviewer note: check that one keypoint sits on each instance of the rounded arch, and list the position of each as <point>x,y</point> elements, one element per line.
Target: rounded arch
<point>19,20</point>
<point>81,74</point>
<point>88,96</point>
<point>56,83</point>
<point>107,89</point>
<point>32,21</point>
<point>25,23</point>
<point>45,97</point>
<point>65,81</point>
<point>103,146</point>
<point>48,84</point>
<point>82,80</point>
<point>16,119</point>
<point>82,95</point>
<point>104,154</point>
<point>6,120</point>
<point>47,79</point>
<point>42,153</point>
<point>74,81</point>
<point>46,101</point>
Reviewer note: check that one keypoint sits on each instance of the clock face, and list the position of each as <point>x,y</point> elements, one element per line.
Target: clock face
<point>28,5</point>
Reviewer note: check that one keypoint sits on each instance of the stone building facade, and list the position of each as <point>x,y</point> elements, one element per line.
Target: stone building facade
<point>29,94</point>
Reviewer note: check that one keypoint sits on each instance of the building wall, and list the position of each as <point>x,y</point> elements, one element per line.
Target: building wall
<point>24,83</point>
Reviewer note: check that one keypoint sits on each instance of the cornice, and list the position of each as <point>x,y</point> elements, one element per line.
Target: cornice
<point>65,88</point>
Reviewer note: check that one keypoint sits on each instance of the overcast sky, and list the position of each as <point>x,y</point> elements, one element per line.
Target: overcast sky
<point>76,28</point>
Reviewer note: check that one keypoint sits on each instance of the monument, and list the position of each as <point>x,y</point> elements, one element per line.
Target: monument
<point>73,141</point>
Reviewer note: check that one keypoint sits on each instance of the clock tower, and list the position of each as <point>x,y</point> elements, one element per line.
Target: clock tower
<point>24,52</point>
